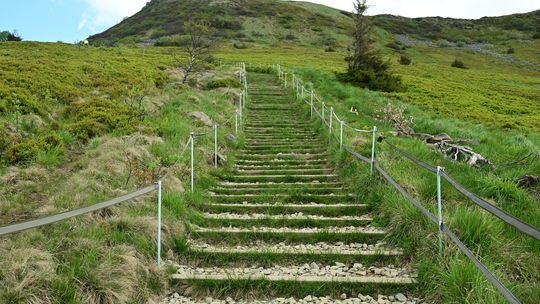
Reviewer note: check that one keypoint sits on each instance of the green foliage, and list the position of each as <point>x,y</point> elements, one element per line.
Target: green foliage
<point>29,148</point>
<point>371,79</point>
<point>405,60</point>
<point>9,36</point>
<point>240,45</point>
<point>511,51</point>
<point>458,64</point>
<point>223,83</point>
<point>394,45</point>
<point>97,116</point>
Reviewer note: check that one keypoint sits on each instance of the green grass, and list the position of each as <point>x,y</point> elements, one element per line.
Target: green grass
<point>504,250</point>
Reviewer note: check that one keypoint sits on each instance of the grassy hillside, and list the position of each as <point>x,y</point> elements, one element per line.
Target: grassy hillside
<point>73,140</point>
<point>235,21</point>
<point>70,135</point>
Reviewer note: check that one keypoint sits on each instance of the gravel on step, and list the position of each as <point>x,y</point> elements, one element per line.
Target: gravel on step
<point>294,216</point>
<point>305,270</point>
<point>343,299</point>
<point>338,247</point>
<point>347,229</point>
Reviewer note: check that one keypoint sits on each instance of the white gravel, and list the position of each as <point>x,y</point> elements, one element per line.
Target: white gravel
<point>343,299</point>
<point>297,216</point>
<point>309,270</point>
<point>338,247</point>
<point>346,229</point>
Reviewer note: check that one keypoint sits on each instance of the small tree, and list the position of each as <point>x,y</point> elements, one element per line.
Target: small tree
<point>458,64</point>
<point>135,102</point>
<point>10,36</point>
<point>366,68</point>
<point>199,46</point>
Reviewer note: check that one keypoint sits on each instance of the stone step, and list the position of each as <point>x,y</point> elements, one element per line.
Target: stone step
<point>296,216</point>
<point>279,184</point>
<point>282,178</point>
<point>301,273</point>
<point>277,171</point>
<point>338,248</point>
<point>281,150</point>
<point>281,156</point>
<point>247,162</point>
<point>366,230</point>
<point>284,145</point>
<point>267,190</point>
<point>399,298</point>
<point>279,167</point>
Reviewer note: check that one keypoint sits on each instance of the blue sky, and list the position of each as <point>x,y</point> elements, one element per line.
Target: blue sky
<point>72,20</point>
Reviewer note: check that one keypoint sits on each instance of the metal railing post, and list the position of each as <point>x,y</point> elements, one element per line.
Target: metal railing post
<point>159,184</point>
<point>439,209</point>
<point>192,162</point>
<point>215,146</point>
<point>322,113</point>
<point>373,150</point>
<point>285,79</point>
<point>302,93</point>
<point>236,123</point>
<point>331,121</point>
<point>311,105</point>
<point>341,135</point>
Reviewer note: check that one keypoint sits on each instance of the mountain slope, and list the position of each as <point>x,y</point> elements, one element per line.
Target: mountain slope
<point>270,22</point>
<point>250,21</point>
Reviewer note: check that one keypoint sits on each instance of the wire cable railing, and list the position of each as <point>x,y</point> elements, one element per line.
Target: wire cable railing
<point>157,186</point>
<point>299,88</point>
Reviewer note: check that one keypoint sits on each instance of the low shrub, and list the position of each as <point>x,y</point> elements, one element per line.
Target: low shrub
<point>373,80</point>
<point>443,43</point>
<point>405,60</point>
<point>458,64</point>
<point>536,36</point>
<point>29,148</point>
<point>240,35</point>
<point>96,116</point>
<point>510,51</point>
<point>290,37</point>
<point>260,69</point>
<point>223,83</point>
<point>394,45</point>
<point>240,45</point>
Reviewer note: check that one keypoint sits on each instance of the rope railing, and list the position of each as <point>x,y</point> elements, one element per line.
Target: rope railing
<point>158,186</point>
<point>443,229</point>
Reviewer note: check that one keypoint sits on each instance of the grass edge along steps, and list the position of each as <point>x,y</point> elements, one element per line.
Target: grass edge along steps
<point>282,172</point>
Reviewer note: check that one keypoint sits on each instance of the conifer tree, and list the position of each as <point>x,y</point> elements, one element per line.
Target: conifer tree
<point>366,67</point>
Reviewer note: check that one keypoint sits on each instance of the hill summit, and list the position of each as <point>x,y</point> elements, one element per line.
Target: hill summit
<point>272,22</point>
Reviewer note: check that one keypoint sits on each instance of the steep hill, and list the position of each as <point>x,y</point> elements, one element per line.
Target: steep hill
<point>304,23</point>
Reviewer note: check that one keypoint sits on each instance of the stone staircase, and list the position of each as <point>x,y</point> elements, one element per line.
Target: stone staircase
<point>282,227</point>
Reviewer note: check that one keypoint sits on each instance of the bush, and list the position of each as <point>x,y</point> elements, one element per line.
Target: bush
<point>98,116</point>
<point>443,43</point>
<point>458,64</point>
<point>240,45</point>
<point>9,36</point>
<point>30,148</point>
<point>536,36</point>
<point>260,69</point>
<point>405,60</point>
<point>395,46</point>
<point>510,51</point>
<point>240,35</point>
<point>290,37</point>
<point>381,81</point>
<point>223,83</point>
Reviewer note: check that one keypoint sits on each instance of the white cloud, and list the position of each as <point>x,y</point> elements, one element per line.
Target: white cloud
<point>444,8</point>
<point>105,13</point>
